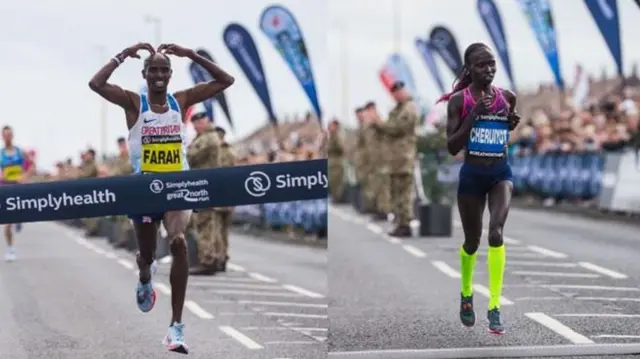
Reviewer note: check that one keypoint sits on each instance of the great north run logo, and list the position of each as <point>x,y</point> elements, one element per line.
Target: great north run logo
<point>57,202</point>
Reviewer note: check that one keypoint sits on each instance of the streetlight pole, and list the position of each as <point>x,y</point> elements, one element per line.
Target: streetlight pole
<point>102,52</point>
<point>157,28</point>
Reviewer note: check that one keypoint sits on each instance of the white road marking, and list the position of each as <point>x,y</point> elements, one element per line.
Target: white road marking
<point>555,274</point>
<point>166,259</point>
<point>197,310</point>
<point>559,328</point>
<point>262,278</point>
<point>446,269</point>
<point>165,289</point>
<point>258,294</point>
<point>414,251</point>
<point>305,292</point>
<point>241,338</point>
<point>295,315</point>
<point>126,263</point>
<point>284,304</point>
<point>110,255</point>
<point>609,299</point>
<point>541,264</point>
<point>604,271</point>
<point>392,240</point>
<point>611,336</point>
<point>249,286</point>
<point>597,315</point>
<point>374,228</point>
<point>235,267</point>
<point>591,287</point>
<point>547,252</point>
<point>479,288</point>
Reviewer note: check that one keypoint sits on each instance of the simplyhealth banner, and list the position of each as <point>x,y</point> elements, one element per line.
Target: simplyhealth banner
<point>221,98</point>
<point>538,13</point>
<point>279,25</point>
<point>493,22</point>
<point>152,193</point>
<point>446,46</point>
<point>605,14</point>
<point>426,51</point>
<point>243,49</point>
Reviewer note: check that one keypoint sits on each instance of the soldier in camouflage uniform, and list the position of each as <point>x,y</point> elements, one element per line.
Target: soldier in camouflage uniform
<point>89,169</point>
<point>335,163</point>
<point>122,167</point>
<point>362,160</point>
<point>380,188</point>
<point>400,130</point>
<point>204,152</point>
<point>227,159</point>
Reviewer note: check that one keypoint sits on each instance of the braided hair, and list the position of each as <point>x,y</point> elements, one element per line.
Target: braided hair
<point>463,80</point>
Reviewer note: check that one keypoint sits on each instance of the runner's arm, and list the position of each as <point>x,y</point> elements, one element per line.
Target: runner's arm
<point>113,93</point>
<point>457,129</point>
<point>200,92</point>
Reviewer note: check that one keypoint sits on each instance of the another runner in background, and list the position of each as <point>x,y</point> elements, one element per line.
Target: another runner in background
<point>14,164</point>
<point>157,144</point>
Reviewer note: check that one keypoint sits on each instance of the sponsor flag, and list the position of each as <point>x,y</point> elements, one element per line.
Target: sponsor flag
<point>243,49</point>
<point>446,46</point>
<point>493,22</point>
<point>605,14</point>
<point>538,12</point>
<point>279,25</point>
<point>426,51</point>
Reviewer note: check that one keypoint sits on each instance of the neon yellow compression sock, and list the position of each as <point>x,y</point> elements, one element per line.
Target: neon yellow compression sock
<point>467,263</point>
<point>496,261</point>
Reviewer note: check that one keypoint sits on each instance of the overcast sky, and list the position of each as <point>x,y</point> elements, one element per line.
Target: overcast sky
<point>370,39</point>
<point>50,52</point>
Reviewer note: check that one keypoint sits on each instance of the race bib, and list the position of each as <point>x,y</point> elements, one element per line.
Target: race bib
<point>12,173</point>
<point>162,157</point>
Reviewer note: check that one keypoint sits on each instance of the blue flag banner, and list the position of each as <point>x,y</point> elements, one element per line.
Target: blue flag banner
<point>426,51</point>
<point>241,45</point>
<point>279,25</point>
<point>221,97</point>
<point>493,22</point>
<point>151,193</point>
<point>605,14</point>
<point>538,13</point>
<point>200,75</point>
<point>446,46</point>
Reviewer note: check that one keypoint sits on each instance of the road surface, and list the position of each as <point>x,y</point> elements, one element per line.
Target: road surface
<point>570,284</point>
<point>73,298</point>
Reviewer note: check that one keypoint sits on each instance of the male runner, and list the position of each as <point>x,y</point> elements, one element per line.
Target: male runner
<point>14,170</point>
<point>157,144</point>
<point>479,119</point>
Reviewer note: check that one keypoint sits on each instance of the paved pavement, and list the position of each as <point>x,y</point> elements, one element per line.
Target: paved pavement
<point>571,284</point>
<point>73,298</point>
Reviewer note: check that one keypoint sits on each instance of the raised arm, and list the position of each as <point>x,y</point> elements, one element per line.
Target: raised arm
<point>114,93</point>
<point>202,91</point>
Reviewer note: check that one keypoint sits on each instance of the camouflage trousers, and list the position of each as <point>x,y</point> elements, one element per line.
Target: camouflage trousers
<point>225,222</point>
<point>336,181</point>
<point>208,234</point>
<point>91,225</point>
<point>123,226</point>
<point>379,192</point>
<point>401,197</point>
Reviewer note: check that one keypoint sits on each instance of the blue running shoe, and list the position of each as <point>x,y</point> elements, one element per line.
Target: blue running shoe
<point>467,315</point>
<point>174,340</point>
<point>145,297</point>
<point>495,325</point>
<point>18,227</point>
